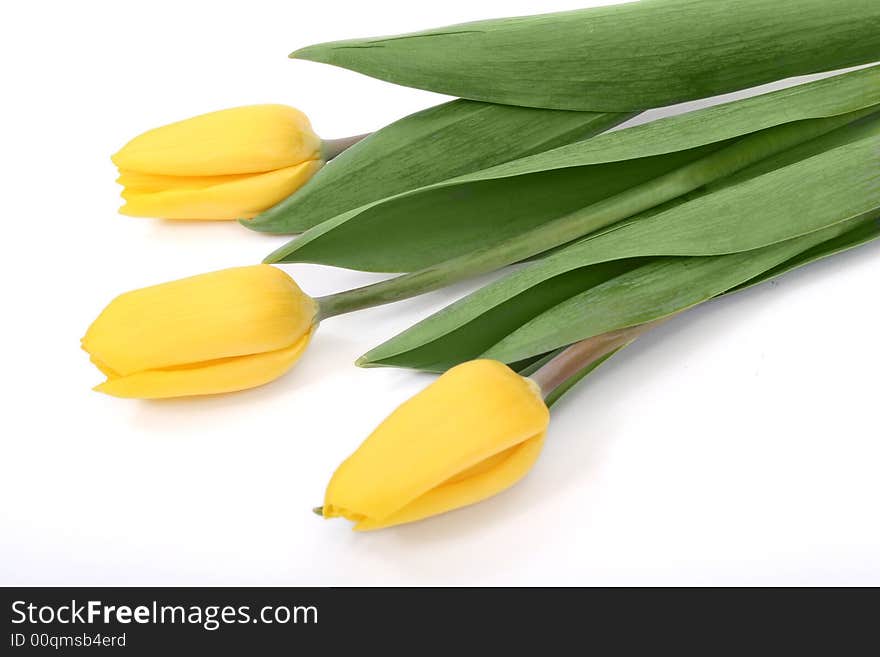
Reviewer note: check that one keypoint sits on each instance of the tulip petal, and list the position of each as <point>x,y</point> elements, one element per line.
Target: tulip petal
<point>137,181</point>
<point>472,433</point>
<point>487,482</point>
<point>232,312</point>
<point>213,198</point>
<point>107,371</point>
<point>249,139</point>
<point>214,377</point>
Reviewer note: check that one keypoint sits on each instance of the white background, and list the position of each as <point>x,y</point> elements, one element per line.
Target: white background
<point>736,445</point>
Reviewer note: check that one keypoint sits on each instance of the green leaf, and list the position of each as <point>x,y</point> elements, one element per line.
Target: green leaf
<point>469,334</point>
<point>655,290</point>
<point>744,214</point>
<point>423,227</point>
<point>430,146</point>
<point>621,58</point>
<point>418,230</point>
<point>865,232</point>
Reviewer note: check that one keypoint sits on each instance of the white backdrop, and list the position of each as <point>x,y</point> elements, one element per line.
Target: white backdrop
<point>737,444</point>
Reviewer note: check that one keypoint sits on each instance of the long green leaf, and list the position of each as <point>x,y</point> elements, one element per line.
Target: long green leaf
<point>864,232</point>
<point>621,58</point>
<point>823,190</point>
<point>655,290</point>
<point>422,227</point>
<point>430,146</point>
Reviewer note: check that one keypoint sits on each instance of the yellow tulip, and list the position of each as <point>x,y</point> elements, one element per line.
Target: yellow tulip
<point>474,432</point>
<point>230,164</point>
<point>218,332</point>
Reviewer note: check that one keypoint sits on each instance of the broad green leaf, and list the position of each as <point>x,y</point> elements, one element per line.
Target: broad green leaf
<point>423,227</point>
<point>809,195</point>
<point>411,232</point>
<point>469,334</point>
<point>621,58</point>
<point>655,290</point>
<point>865,232</point>
<point>733,160</point>
<point>430,146</point>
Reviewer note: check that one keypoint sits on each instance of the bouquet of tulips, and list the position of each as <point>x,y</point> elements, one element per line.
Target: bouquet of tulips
<point>617,231</point>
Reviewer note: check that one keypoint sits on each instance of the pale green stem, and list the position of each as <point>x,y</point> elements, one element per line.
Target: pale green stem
<point>565,365</point>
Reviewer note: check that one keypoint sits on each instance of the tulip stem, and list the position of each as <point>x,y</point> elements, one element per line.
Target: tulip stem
<point>570,365</point>
<point>567,228</point>
<point>330,148</point>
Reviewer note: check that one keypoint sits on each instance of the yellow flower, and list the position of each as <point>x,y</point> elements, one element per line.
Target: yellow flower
<point>474,432</point>
<point>229,164</point>
<point>218,332</point>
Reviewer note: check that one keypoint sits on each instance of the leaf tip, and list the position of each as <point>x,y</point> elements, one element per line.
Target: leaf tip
<point>309,53</point>
<point>262,223</point>
<point>278,255</point>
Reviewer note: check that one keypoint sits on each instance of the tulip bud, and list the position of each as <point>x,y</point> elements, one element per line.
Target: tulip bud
<point>230,164</point>
<point>474,432</point>
<point>218,332</point>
